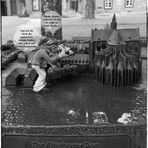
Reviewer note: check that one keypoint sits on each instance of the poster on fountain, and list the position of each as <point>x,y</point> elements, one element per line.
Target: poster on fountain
<point>26,38</point>
<point>51,21</point>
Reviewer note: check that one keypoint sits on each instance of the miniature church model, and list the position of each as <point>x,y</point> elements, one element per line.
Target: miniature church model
<point>116,55</point>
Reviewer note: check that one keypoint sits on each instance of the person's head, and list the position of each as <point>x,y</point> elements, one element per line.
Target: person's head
<point>50,44</point>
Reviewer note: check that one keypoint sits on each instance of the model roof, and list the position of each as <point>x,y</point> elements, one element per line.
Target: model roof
<point>115,38</point>
<point>128,34</point>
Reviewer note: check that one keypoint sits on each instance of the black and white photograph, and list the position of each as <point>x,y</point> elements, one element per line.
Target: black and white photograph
<point>74,73</point>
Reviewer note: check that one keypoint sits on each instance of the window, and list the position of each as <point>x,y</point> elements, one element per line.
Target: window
<point>35,5</point>
<point>129,3</point>
<point>108,4</point>
<point>74,5</point>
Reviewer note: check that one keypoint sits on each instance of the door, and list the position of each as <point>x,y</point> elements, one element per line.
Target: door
<point>13,7</point>
<point>3,8</point>
<point>74,5</point>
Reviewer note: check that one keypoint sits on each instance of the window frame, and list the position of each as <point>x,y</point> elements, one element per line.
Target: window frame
<point>38,5</point>
<point>129,6</point>
<point>107,2</point>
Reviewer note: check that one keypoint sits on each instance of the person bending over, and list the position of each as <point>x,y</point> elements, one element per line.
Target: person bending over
<point>43,54</point>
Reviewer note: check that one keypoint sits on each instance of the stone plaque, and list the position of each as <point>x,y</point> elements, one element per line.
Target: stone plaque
<point>44,141</point>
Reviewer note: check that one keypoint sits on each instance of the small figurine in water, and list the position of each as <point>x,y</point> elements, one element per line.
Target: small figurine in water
<point>44,53</point>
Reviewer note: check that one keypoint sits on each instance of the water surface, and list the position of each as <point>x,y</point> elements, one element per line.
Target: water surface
<point>79,100</point>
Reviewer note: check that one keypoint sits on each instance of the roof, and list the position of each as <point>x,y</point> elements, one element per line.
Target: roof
<point>114,23</point>
<point>127,34</point>
<point>115,38</point>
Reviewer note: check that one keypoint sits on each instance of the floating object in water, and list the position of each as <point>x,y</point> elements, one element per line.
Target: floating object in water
<point>125,118</point>
<point>100,118</point>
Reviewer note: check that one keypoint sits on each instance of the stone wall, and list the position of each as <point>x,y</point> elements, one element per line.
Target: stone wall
<point>135,133</point>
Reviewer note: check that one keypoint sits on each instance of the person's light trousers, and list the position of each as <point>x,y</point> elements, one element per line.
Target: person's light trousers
<point>40,83</point>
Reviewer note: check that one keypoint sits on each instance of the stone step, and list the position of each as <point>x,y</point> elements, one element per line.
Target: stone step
<point>15,77</point>
<point>111,136</point>
<point>30,77</point>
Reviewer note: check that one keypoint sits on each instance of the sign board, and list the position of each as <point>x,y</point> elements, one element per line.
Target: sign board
<point>51,25</point>
<point>51,21</point>
<point>26,38</point>
<point>38,141</point>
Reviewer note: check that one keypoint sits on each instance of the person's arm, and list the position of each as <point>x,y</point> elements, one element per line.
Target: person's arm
<point>53,59</point>
<point>48,58</point>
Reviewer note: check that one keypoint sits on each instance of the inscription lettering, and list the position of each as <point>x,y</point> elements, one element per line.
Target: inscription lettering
<point>47,144</point>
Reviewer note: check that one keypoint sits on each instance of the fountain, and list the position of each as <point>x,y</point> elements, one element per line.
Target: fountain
<point>81,112</point>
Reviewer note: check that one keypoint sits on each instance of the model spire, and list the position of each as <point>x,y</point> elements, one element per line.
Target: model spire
<point>114,23</point>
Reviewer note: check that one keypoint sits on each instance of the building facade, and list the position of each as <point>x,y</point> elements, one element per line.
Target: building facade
<point>33,7</point>
<point>8,7</point>
<point>102,6</point>
<point>117,6</point>
<point>73,6</point>
<point>11,7</point>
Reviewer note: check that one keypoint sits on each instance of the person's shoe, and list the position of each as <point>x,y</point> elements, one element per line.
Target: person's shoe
<point>45,90</point>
